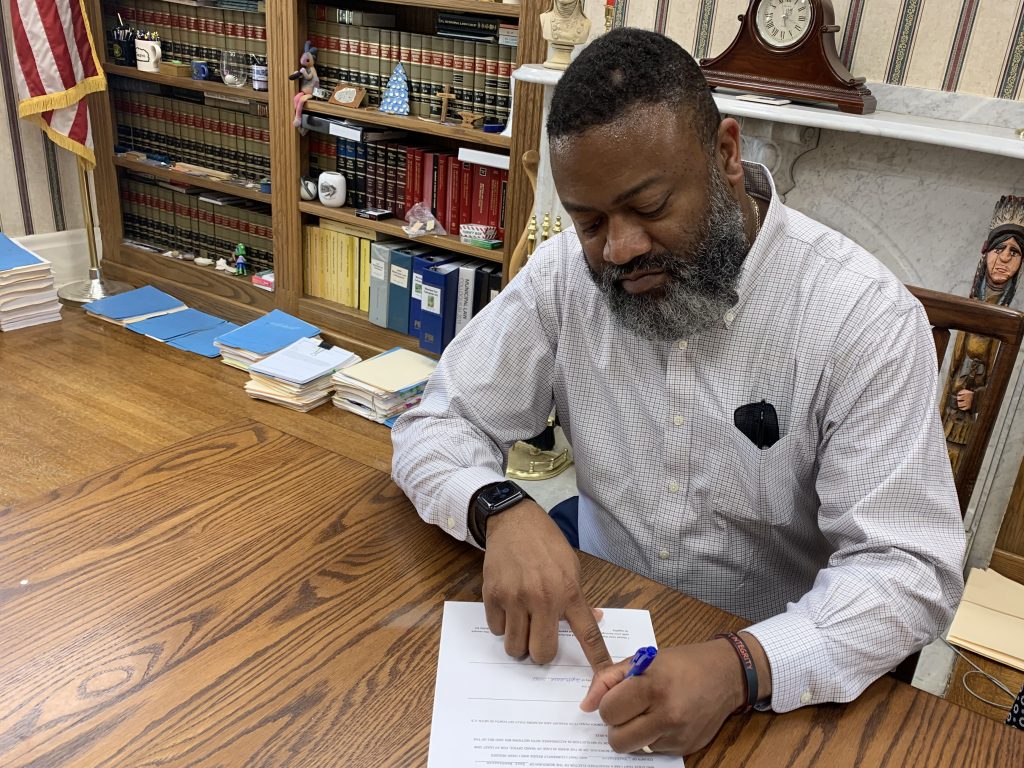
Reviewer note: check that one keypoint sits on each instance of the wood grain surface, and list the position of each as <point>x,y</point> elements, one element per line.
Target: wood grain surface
<point>244,597</point>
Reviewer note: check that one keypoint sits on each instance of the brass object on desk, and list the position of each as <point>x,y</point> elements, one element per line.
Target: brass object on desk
<point>525,462</point>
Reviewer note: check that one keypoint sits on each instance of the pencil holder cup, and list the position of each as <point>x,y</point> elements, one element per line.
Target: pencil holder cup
<point>332,189</point>
<point>259,77</point>
<point>200,70</point>
<point>148,55</point>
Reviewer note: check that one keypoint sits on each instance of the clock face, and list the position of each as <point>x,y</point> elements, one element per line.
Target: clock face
<point>783,23</point>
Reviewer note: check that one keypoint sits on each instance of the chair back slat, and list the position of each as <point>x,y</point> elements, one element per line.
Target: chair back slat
<point>949,313</point>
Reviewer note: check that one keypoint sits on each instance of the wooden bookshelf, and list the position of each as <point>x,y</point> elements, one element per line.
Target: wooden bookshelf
<point>214,185</point>
<point>235,297</point>
<point>373,116</point>
<point>479,7</point>
<point>393,227</point>
<point>206,86</point>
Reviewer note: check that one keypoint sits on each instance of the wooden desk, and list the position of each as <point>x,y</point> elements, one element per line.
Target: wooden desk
<point>244,597</point>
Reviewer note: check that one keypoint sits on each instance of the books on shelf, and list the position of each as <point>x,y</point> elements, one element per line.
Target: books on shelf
<point>252,342</point>
<point>27,293</point>
<point>133,306</point>
<point>385,386</point>
<point>299,375</point>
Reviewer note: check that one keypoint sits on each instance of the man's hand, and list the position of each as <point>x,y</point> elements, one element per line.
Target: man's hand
<point>531,581</point>
<point>964,399</point>
<point>679,704</point>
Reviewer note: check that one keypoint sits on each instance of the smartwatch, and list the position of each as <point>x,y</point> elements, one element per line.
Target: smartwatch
<point>492,500</point>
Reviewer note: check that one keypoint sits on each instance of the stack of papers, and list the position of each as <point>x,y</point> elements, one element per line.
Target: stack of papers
<point>990,618</point>
<point>134,306</point>
<point>298,376</point>
<point>385,386</point>
<point>254,341</point>
<point>27,294</point>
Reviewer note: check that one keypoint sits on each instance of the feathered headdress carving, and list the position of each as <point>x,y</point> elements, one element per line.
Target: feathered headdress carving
<point>1007,218</point>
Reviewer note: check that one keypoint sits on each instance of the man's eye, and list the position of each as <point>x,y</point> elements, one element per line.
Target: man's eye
<point>656,211</point>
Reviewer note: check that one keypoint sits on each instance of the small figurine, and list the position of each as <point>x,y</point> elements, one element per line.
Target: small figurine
<point>995,282</point>
<point>241,267</point>
<point>470,119</point>
<point>306,73</point>
<point>564,26</point>
<point>395,99</point>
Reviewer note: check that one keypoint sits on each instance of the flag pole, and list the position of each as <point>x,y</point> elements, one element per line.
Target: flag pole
<point>96,287</point>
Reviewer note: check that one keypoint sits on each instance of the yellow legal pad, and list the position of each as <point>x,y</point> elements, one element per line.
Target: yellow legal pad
<point>990,618</point>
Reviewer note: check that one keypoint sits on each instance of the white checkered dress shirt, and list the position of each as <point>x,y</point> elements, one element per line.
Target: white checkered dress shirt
<point>843,541</point>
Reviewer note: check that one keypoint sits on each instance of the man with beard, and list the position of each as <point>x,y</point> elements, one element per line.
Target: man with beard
<point>687,298</point>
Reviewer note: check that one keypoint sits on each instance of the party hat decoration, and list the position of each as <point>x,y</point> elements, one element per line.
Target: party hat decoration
<point>395,100</point>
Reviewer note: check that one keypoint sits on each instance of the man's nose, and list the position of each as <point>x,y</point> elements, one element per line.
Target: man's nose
<point>626,240</point>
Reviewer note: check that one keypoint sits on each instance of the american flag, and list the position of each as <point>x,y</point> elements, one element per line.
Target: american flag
<point>59,67</point>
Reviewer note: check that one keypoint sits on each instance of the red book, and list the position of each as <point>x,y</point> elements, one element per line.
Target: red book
<point>410,186</point>
<point>428,190</point>
<point>493,197</point>
<point>453,196</point>
<point>441,204</point>
<point>481,195</point>
<point>503,205</point>
<point>417,185</point>
<point>466,193</point>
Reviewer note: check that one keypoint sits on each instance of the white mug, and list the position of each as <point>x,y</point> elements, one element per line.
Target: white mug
<point>332,189</point>
<point>308,188</point>
<point>148,55</point>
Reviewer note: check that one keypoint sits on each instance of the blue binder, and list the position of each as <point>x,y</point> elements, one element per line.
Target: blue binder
<point>440,297</point>
<point>419,265</point>
<point>400,285</point>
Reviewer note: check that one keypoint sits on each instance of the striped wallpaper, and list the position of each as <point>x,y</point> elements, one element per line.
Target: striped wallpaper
<point>968,46</point>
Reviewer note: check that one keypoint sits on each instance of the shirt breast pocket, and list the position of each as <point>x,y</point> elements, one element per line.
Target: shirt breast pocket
<point>766,478</point>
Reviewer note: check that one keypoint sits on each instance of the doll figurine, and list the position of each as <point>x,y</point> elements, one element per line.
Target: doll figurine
<point>995,282</point>
<point>308,80</point>
<point>241,266</point>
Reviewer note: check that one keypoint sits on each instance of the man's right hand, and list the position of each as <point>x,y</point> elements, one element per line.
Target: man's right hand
<point>531,581</point>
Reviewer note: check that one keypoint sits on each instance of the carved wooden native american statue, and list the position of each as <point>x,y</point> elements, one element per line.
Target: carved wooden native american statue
<point>995,282</point>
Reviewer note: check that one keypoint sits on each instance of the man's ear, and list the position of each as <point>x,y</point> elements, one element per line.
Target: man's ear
<point>728,152</point>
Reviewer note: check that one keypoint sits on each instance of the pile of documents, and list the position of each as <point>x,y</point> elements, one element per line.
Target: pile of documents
<point>298,376</point>
<point>990,618</point>
<point>254,341</point>
<point>385,386</point>
<point>27,294</point>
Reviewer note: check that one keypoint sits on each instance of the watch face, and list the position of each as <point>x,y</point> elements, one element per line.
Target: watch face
<point>501,495</point>
<point>782,23</point>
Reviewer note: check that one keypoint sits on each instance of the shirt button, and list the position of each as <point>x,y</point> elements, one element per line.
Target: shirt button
<point>805,697</point>
<point>673,486</point>
<point>730,316</point>
<point>450,521</point>
<point>677,420</point>
<point>663,554</point>
<point>682,344</point>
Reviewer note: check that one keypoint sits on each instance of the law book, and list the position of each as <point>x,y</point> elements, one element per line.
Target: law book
<point>491,68</point>
<point>482,285</point>
<point>440,292</point>
<point>380,271</point>
<point>132,306</point>
<point>467,22</point>
<point>480,77</point>
<point>400,286</point>
<point>465,296</point>
<point>420,264</point>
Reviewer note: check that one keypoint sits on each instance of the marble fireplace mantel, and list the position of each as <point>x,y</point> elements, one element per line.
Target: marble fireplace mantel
<point>914,183</point>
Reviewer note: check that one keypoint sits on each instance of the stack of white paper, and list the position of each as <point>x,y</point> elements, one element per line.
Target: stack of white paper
<point>27,294</point>
<point>385,386</point>
<point>298,376</point>
<point>254,341</point>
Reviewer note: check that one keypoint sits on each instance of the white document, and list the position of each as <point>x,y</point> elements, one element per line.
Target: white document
<point>493,710</point>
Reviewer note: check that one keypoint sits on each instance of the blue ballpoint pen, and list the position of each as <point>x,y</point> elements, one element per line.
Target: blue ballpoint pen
<point>641,661</point>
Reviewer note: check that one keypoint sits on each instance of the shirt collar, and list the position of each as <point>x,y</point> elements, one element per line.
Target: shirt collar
<point>758,182</point>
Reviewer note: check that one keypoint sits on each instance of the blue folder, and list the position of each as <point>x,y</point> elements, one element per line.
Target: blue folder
<point>13,255</point>
<point>142,301</point>
<point>274,331</point>
<point>167,327</point>
<point>201,342</point>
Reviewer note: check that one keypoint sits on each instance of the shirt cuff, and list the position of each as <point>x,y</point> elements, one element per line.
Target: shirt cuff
<point>801,668</point>
<point>453,508</point>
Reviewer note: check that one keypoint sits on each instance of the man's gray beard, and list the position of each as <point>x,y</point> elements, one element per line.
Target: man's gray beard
<point>701,285</point>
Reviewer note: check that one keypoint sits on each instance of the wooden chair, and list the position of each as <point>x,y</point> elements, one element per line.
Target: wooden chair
<point>949,313</point>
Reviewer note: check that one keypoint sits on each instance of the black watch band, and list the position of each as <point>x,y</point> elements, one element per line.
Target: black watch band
<point>489,501</point>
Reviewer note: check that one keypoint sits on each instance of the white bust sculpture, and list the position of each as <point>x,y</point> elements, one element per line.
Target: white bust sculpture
<point>564,26</point>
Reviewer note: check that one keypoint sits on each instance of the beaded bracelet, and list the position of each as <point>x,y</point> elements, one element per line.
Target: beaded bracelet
<point>749,670</point>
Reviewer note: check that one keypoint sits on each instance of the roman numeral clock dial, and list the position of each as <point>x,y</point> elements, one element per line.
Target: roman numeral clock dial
<point>783,22</point>
<point>787,48</point>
